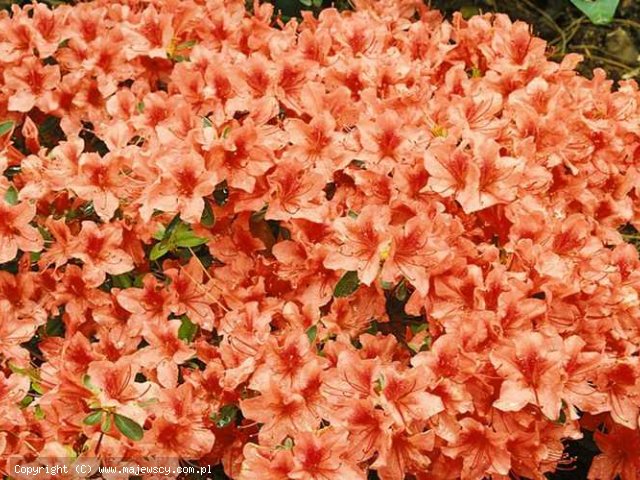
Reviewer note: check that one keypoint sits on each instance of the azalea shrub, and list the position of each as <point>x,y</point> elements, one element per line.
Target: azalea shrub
<point>368,244</point>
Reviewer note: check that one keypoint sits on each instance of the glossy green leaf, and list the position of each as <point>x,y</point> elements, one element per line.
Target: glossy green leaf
<point>600,12</point>
<point>93,418</point>
<point>106,423</point>
<point>54,327</point>
<point>348,284</point>
<point>401,291</point>
<point>11,196</point>
<point>188,239</point>
<point>39,413</point>
<point>312,333</point>
<point>173,224</point>
<point>159,235</point>
<point>6,126</point>
<point>225,416</point>
<point>128,427</point>
<point>122,281</point>
<point>187,330</point>
<point>159,250</point>
<point>208,219</point>
<point>187,44</point>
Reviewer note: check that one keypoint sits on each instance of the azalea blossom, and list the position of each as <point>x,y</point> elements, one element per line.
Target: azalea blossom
<point>16,232</point>
<point>352,244</point>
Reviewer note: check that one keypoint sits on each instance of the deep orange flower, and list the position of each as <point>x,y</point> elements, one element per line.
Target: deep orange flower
<point>362,242</point>
<point>15,231</point>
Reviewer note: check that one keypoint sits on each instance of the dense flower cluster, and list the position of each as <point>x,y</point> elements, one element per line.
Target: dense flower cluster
<point>368,241</point>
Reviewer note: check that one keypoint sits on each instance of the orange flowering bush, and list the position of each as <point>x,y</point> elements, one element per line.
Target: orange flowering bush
<point>372,243</point>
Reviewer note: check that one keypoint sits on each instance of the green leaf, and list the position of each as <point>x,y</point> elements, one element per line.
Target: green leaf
<point>600,12</point>
<point>128,427</point>
<point>287,444</point>
<point>122,281</point>
<point>225,416</point>
<point>26,401</point>
<point>189,239</point>
<point>418,327</point>
<point>106,423</point>
<point>208,219</point>
<point>378,384</point>
<point>93,418</point>
<point>173,224</point>
<point>562,418</point>
<point>159,235</point>
<point>386,285</point>
<point>373,328</point>
<point>39,413</point>
<point>312,333</point>
<point>159,250</point>
<point>86,381</point>
<point>54,327</point>
<point>348,284</point>
<point>306,3</point>
<point>6,126</point>
<point>187,330</point>
<point>138,281</point>
<point>401,291</point>
<point>187,44</point>
<point>140,107</point>
<point>36,387</point>
<point>11,196</point>
<point>468,11</point>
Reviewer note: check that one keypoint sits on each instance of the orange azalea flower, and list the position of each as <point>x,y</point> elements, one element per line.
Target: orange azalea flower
<point>192,297</point>
<point>619,454</point>
<point>184,183</point>
<point>420,259</point>
<point>369,428</point>
<point>99,249</point>
<point>29,82</point>
<point>361,243</point>
<point>532,368</point>
<point>282,411</point>
<point>405,397</point>
<point>414,249</point>
<point>165,351</point>
<point>296,193</point>
<point>260,462</point>
<point>619,382</point>
<point>15,231</point>
<point>404,452</point>
<point>241,157</point>
<point>318,456</point>
<point>179,429</point>
<point>114,383</point>
<point>383,141</point>
<point>99,181</point>
<point>482,450</point>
